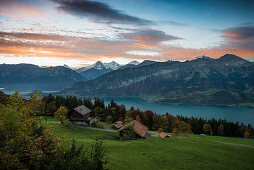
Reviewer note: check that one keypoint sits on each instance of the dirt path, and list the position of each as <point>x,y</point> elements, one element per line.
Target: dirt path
<point>109,130</point>
<point>235,144</point>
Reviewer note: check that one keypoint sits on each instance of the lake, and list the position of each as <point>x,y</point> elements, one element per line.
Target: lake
<point>234,114</point>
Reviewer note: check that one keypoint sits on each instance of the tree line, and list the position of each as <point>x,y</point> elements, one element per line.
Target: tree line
<point>113,112</point>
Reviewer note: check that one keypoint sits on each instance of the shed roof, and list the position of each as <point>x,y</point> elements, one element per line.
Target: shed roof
<point>118,125</point>
<point>163,135</point>
<point>82,110</point>
<point>118,122</point>
<point>138,127</point>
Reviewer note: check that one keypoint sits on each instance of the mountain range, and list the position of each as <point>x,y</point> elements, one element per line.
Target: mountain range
<point>228,80</point>
<point>30,77</point>
<point>98,69</point>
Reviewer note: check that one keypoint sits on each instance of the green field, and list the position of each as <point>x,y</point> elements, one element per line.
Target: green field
<point>193,152</point>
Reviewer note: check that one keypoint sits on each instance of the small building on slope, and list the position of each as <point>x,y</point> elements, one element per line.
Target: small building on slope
<point>139,130</point>
<point>79,113</point>
<point>118,124</point>
<point>163,135</point>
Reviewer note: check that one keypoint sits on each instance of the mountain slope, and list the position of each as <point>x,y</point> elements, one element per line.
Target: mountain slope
<point>198,81</point>
<point>30,77</point>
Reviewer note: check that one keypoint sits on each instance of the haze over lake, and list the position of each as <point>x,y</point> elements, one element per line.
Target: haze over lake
<point>242,115</point>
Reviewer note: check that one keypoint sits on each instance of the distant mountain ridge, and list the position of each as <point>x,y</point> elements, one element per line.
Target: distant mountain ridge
<point>228,80</point>
<point>28,76</point>
<point>98,69</point>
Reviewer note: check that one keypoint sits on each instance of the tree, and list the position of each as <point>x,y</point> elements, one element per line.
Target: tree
<point>164,123</point>
<point>247,134</point>
<point>61,114</point>
<point>138,118</point>
<point>24,141</point>
<point>156,122</point>
<point>182,129</point>
<point>109,119</point>
<point>207,128</point>
<point>26,144</point>
<point>127,120</point>
<point>97,111</point>
<point>220,130</point>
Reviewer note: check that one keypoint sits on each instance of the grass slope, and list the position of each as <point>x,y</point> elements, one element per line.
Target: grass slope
<point>193,152</point>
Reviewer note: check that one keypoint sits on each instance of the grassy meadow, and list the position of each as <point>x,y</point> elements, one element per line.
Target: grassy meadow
<point>193,152</point>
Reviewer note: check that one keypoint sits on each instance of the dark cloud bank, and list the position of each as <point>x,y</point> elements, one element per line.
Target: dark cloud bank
<point>98,11</point>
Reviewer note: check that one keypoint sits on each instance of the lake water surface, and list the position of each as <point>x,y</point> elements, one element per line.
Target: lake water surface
<point>234,114</point>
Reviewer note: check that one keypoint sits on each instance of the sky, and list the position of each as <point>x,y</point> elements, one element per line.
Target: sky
<point>80,32</point>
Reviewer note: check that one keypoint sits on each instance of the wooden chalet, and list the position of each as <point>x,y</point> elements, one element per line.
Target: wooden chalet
<point>139,129</point>
<point>79,113</point>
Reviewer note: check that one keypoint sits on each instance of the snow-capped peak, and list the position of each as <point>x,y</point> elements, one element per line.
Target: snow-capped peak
<point>202,57</point>
<point>134,62</point>
<point>100,66</point>
<point>66,66</point>
<point>112,65</point>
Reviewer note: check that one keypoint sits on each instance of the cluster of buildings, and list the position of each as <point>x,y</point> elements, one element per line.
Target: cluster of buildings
<point>82,113</point>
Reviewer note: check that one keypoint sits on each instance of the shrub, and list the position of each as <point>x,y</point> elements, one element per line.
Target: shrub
<point>129,133</point>
<point>87,121</point>
<point>96,125</point>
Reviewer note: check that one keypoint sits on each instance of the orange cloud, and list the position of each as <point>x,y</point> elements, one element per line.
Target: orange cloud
<point>20,10</point>
<point>92,49</point>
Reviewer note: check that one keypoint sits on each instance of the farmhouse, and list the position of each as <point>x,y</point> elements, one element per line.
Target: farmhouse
<point>139,129</point>
<point>79,113</point>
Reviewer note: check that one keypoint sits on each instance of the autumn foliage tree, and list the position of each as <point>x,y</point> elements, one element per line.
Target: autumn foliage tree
<point>207,129</point>
<point>25,143</point>
<point>220,130</point>
<point>182,129</point>
<point>61,114</point>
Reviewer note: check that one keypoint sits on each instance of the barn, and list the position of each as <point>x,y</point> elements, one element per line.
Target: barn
<point>139,129</point>
<point>79,113</point>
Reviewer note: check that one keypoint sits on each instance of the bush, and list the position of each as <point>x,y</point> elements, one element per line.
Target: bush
<point>96,125</point>
<point>129,133</point>
<point>87,121</point>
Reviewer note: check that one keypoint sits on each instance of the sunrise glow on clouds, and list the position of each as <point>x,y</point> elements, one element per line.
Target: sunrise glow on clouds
<point>81,32</point>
